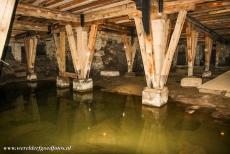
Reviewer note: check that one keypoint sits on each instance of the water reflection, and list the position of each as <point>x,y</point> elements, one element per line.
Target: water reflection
<point>107,123</point>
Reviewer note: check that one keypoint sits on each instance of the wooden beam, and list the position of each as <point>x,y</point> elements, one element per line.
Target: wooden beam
<point>172,46</point>
<point>218,52</point>
<point>160,29</point>
<point>38,12</point>
<point>73,48</point>
<point>60,51</point>
<point>6,11</point>
<point>30,48</point>
<point>192,39</point>
<point>205,29</point>
<point>91,48</point>
<point>146,51</point>
<point>208,52</point>
<point>130,51</point>
<point>22,25</point>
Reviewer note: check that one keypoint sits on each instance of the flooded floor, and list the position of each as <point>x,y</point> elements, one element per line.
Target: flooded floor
<point>101,122</point>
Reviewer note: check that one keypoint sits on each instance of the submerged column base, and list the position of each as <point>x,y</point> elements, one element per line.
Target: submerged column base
<point>191,82</point>
<point>31,77</point>
<point>207,74</point>
<point>155,97</point>
<point>82,85</point>
<point>62,82</point>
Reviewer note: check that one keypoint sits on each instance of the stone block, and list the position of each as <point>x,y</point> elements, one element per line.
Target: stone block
<point>32,77</point>
<point>191,82</point>
<point>155,97</point>
<point>207,74</point>
<point>82,85</point>
<point>110,73</point>
<point>62,82</point>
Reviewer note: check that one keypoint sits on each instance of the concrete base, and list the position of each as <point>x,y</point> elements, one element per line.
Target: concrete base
<point>191,82</point>
<point>110,73</point>
<point>155,97</point>
<point>31,77</point>
<point>130,74</point>
<point>82,85</point>
<point>62,82</point>
<point>207,74</point>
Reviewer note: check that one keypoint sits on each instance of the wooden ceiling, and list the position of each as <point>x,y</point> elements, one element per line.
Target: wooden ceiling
<point>38,15</point>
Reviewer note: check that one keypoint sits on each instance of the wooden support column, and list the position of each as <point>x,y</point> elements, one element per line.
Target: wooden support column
<point>145,43</point>
<point>6,11</point>
<point>73,48</point>
<point>60,51</point>
<point>30,48</point>
<point>82,49</point>
<point>218,52</point>
<point>130,51</point>
<point>192,38</point>
<point>208,52</point>
<point>160,31</point>
<point>172,46</point>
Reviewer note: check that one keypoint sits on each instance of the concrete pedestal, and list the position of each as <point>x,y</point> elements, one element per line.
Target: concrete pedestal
<point>62,82</point>
<point>191,82</point>
<point>207,74</point>
<point>155,97</point>
<point>130,74</point>
<point>31,77</point>
<point>110,73</point>
<point>82,85</point>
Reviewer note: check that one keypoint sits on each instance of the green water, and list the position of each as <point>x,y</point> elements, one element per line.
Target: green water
<point>103,123</point>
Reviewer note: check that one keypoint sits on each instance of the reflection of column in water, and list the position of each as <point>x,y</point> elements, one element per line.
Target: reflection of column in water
<point>84,117</point>
<point>19,107</point>
<point>86,108</point>
<point>34,106</point>
<point>63,120</point>
<point>153,138</point>
<point>62,92</point>
<point>131,123</point>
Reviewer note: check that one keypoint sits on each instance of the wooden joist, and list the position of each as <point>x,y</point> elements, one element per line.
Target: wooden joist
<point>6,11</point>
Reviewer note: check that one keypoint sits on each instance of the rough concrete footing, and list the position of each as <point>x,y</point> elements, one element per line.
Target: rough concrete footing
<point>110,73</point>
<point>82,85</point>
<point>130,74</point>
<point>62,82</point>
<point>155,97</point>
<point>31,77</point>
<point>191,82</point>
<point>207,74</point>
